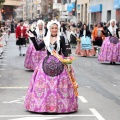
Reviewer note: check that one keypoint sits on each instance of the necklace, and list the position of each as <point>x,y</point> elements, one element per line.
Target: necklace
<point>54,36</point>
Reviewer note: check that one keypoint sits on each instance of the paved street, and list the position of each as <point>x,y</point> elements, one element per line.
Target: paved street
<point>99,88</point>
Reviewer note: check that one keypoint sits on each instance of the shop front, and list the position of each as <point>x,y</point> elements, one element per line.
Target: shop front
<point>96,13</point>
<point>8,12</point>
<point>71,9</point>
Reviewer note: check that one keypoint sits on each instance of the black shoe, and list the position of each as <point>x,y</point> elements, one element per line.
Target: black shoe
<point>20,54</point>
<point>23,54</point>
<point>114,63</point>
<point>111,63</point>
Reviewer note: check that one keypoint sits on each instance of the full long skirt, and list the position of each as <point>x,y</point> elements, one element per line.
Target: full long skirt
<point>33,57</point>
<point>109,52</point>
<point>82,52</point>
<point>50,94</point>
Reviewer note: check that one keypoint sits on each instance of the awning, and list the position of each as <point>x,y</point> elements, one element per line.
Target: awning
<point>116,4</point>
<point>96,8</point>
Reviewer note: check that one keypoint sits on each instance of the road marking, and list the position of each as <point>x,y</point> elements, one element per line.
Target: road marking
<point>19,100</point>
<point>98,116</point>
<point>3,60</point>
<point>15,101</point>
<point>2,69</point>
<point>71,115</point>
<point>3,64</point>
<point>82,99</point>
<point>23,97</point>
<point>36,118</point>
<point>13,87</point>
<point>6,51</point>
<point>95,114</point>
<point>4,56</point>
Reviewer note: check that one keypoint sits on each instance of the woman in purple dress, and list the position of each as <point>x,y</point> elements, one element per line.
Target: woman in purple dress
<point>33,57</point>
<point>51,89</point>
<point>110,49</point>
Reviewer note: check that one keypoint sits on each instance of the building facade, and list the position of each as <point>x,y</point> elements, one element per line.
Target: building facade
<point>82,8</point>
<point>103,11</point>
<point>46,9</point>
<point>117,10</point>
<point>63,10</point>
<point>9,7</point>
<point>31,9</point>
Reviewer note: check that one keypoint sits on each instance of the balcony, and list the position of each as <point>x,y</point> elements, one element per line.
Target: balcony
<point>12,2</point>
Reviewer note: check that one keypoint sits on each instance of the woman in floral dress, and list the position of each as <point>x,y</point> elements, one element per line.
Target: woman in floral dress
<point>51,89</point>
<point>33,57</point>
<point>110,49</point>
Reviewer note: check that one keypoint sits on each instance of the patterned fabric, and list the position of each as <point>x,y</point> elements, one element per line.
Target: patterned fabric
<point>39,42</point>
<point>109,51</point>
<point>86,43</point>
<point>113,40</point>
<point>33,57</point>
<point>50,94</point>
<point>52,66</point>
<point>81,52</point>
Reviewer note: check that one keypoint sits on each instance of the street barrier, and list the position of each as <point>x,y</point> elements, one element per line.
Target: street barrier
<point>3,42</point>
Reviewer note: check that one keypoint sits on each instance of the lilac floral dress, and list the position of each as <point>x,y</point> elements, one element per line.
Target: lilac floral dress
<point>50,89</point>
<point>33,57</point>
<point>110,50</point>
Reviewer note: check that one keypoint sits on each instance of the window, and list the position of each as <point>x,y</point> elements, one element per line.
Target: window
<point>58,1</point>
<point>78,7</point>
<point>64,1</point>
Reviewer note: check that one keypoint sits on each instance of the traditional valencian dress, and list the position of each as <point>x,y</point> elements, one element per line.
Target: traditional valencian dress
<point>110,49</point>
<point>33,57</point>
<point>51,89</point>
<point>84,47</point>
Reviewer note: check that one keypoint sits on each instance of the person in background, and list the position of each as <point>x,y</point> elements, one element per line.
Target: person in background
<point>73,37</point>
<point>110,49</point>
<point>97,36</point>
<point>12,27</point>
<point>85,48</point>
<point>21,37</point>
<point>45,27</point>
<point>33,57</point>
<point>63,27</point>
<point>118,30</point>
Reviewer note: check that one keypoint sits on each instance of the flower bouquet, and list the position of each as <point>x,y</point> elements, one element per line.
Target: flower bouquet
<point>78,40</point>
<point>66,60</point>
